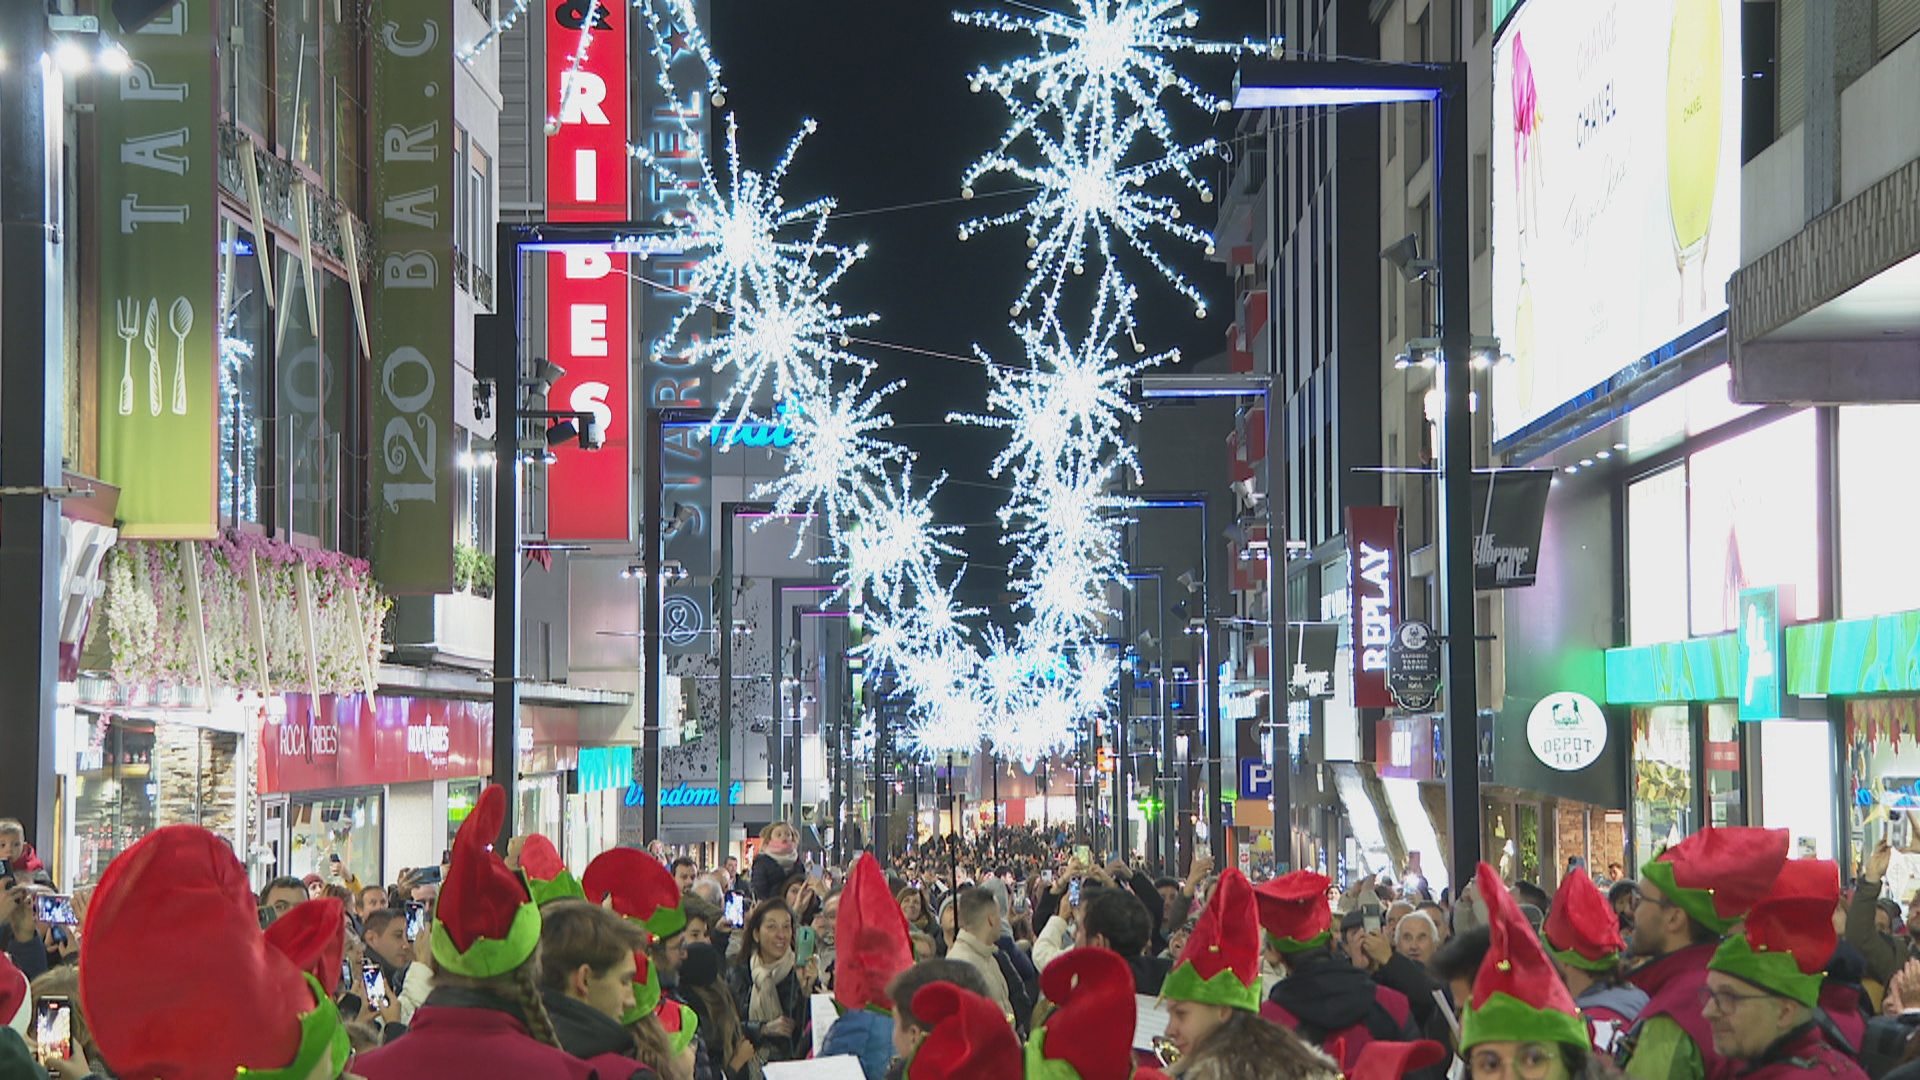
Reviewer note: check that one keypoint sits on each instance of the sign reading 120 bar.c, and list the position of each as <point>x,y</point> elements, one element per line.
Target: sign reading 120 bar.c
<point>1373,570</point>
<point>587,291</point>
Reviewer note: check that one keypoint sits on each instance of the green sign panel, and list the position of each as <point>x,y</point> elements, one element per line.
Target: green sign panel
<point>1858,656</point>
<point>158,313</point>
<point>1763,655</point>
<point>411,308</point>
<point>1699,669</point>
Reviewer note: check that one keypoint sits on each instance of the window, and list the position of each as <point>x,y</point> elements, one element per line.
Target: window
<point>1750,521</point>
<point>462,211</point>
<point>479,245</point>
<point>1877,442</point>
<point>1662,778</point>
<point>301,389</point>
<point>244,67</point>
<point>298,117</point>
<point>1656,561</point>
<point>347,165</point>
<point>245,409</point>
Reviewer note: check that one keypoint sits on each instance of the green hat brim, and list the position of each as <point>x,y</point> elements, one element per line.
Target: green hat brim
<point>1573,959</point>
<point>322,1035</point>
<point>646,996</point>
<point>1775,972</point>
<point>1289,946</point>
<point>564,886</point>
<point>1505,1018</point>
<point>1695,902</point>
<point>488,957</point>
<point>667,921</point>
<point>689,1027</point>
<point>1225,988</point>
<point>1042,1067</point>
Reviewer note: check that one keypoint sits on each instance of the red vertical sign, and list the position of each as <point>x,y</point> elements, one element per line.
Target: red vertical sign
<point>1373,576</point>
<point>589,491</point>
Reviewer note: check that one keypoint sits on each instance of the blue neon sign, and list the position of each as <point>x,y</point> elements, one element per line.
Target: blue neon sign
<point>684,795</point>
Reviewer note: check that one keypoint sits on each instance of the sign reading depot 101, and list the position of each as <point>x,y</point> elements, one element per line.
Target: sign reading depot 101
<point>1616,189</point>
<point>1567,731</point>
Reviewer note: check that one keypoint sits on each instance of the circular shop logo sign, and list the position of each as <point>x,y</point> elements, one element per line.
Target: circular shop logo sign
<point>1567,731</point>
<point>682,621</point>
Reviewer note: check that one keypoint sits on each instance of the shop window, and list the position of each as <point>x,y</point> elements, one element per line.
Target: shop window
<point>1875,516</point>
<point>1751,521</point>
<point>1662,779</point>
<point>326,828</point>
<point>134,776</point>
<point>302,388</point>
<point>245,409</point>
<point>461,797</point>
<point>344,67</point>
<point>1796,784</point>
<point>298,116</point>
<point>1725,803</point>
<point>1656,562</point>
<point>1884,767</point>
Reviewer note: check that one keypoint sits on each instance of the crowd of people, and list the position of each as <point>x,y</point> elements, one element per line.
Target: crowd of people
<point>1023,958</point>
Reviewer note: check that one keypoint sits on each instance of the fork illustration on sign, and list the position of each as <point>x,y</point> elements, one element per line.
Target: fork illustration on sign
<point>153,357</point>
<point>180,321</point>
<point>127,316</point>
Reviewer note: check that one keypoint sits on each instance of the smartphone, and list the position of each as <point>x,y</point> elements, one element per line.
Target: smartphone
<point>346,977</point>
<point>1370,917</point>
<point>53,1027</point>
<point>804,945</point>
<point>1203,851</point>
<point>416,919</point>
<point>1073,893</point>
<point>1084,854</point>
<point>427,876</point>
<point>376,983</point>
<point>736,910</point>
<point>267,915</point>
<point>6,867</point>
<point>56,909</point>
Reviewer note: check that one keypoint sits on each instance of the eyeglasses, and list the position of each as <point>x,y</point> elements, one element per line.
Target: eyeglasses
<point>1642,898</point>
<point>1531,1061</point>
<point>1725,1001</point>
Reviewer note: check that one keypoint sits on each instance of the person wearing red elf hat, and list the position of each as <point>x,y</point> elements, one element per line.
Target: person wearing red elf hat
<point>485,1016</point>
<point>178,983</point>
<point>1089,1035</point>
<point>1687,899</point>
<point>1763,983</point>
<point>1520,1021</point>
<point>1323,999</point>
<point>547,875</point>
<point>1582,934</point>
<point>874,946</point>
<point>640,888</point>
<point>1213,995</point>
<point>969,1037</point>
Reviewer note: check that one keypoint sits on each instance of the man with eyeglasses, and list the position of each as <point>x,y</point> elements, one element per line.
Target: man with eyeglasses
<point>1686,900</point>
<point>1763,984</point>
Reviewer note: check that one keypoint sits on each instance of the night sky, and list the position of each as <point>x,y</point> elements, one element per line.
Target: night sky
<point>887,82</point>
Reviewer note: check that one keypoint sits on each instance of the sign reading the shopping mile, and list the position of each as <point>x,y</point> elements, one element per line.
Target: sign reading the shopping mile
<point>411,311</point>
<point>1512,505</point>
<point>158,318</point>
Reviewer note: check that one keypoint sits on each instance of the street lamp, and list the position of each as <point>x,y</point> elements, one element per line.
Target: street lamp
<point>1285,84</point>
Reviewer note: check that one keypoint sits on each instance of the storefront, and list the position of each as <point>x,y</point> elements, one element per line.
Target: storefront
<point>383,782</point>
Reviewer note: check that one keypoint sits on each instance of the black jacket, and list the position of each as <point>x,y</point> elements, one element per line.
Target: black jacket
<point>793,1002</point>
<point>767,876</point>
<point>587,1033</point>
<point>1148,973</point>
<point>1327,994</point>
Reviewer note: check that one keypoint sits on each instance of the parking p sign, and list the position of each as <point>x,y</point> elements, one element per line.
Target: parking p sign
<point>1256,779</point>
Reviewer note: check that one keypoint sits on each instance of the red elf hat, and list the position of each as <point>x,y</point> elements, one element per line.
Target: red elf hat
<point>872,938</point>
<point>967,1036</point>
<point>177,905</point>
<point>311,936</point>
<point>1382,1060</point>
<point>644,891</point>
<point>1221,963</point>
<point>486,922</point>
<point>1788,937</point>
<point>1294,910</point>
<point>1090,1035</point>
<point>1581,929</point>
<point>1517,995</point>
<point>547,875</point>
<point>1718,874</point>
<point>14,990</point>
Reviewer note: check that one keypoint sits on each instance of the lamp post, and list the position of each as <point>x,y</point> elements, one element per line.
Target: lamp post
<point>723,626</point>
<point>1281,84</point>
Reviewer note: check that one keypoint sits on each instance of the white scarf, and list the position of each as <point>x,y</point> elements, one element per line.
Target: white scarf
<point>764,1006</point>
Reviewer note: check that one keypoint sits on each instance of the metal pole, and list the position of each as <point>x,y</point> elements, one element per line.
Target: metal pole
<point>723,626</point>
<point>1213,596</point>
<point>1456,476</point>
<point>31,414</point>
<point>795,757</point>
<point>777,738</point>
<point>652,650</point>
<point>1279,529</point>
<point>504,354</point>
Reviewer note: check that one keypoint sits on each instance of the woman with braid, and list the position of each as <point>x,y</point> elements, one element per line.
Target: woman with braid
<point>485,1016</point>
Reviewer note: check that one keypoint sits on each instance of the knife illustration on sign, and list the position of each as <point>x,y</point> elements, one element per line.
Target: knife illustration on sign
<point>153,357</point>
